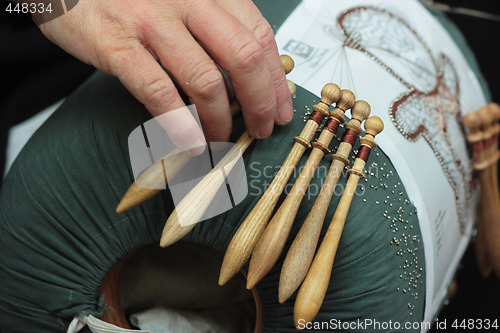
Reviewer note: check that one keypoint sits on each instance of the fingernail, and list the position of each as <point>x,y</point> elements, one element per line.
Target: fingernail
<point>197,148</point>
<point>285,113</point>
<point>265,130</point>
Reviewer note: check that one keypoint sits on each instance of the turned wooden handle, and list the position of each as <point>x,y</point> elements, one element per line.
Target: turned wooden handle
<point>243,242</point>
<point>490,212</point>
<point>151,180</point>
<point>245,239</point>
<point>490,201</point>
<point>154,178</point>
<point>494,109</point>
<point>472,122</point>
<point>192,207</point>
<point>273,239</point>
<point>482,135</point>
<point>204,192</point>
<point>301,253</point>
<point>313,289</point>
<point>481,252</point>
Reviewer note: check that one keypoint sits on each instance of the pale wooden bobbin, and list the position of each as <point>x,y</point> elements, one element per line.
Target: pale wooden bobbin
<point>301,253</point>
<point>273,239</point>
<point>472,122</point>
<point>487,129</point>
<point>494,109</point>
<point>151,180</point>
<point>313,289</point>
<point>288,66</point>
<point>287,63</point>
<point>490,127</point>
<point>192,207</point>
<point>243,242</point>
<point>489,203</point>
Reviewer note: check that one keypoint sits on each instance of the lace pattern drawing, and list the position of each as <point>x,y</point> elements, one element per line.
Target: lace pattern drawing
<point>430,109</point>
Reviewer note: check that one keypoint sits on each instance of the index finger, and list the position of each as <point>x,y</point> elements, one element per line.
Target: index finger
<point>248,13</point>
<point>236,50</point>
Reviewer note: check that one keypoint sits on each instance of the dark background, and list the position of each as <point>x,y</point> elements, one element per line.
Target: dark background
<point>29,61</point>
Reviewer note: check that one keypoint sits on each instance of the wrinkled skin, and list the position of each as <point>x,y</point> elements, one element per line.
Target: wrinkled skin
<point>133,39</point>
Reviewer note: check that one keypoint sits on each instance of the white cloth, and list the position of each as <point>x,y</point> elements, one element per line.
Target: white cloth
<point>97,326</point>
<point>162,320</point>
<point>22,132</point>
<point>156,320</point>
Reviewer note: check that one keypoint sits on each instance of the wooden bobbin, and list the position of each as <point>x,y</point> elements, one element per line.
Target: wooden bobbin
<point>243,242</point>
<point>291,87</point>
<point>494,109</point>
<point>472,123</point>
<point>328,91</point>
<point>151,180</point>
<point>490,216</point>
<point>488,177</point>
<point>301,253</point>
<point>287,63</point>
<point>313,289</point>
<point>273,239</point>
<point>487,129</point>
<point>192,207</point>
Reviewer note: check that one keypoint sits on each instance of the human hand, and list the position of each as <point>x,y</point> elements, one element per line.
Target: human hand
<point>133,39</point>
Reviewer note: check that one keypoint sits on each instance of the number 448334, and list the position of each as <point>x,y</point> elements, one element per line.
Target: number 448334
<point>475,324</point>
<point>30,8</point>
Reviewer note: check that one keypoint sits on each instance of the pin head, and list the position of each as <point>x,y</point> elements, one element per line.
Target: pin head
<point>374,125</point>
<point>287,62</point>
